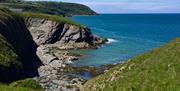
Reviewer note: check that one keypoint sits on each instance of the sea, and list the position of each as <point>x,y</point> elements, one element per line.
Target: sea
<point>129,35</point>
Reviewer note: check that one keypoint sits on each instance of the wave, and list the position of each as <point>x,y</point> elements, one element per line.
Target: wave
<point>105,31</point>
<point>111,40</point>
<point>141,39</point>
<point>114,35</point>
<point>69,62</point>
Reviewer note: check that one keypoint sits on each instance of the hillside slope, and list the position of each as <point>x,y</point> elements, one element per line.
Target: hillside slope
<point>55,8</point>
<point>17,55</point>
<point>158,70</point>
<point>17,52</point>
<point>9,60</point>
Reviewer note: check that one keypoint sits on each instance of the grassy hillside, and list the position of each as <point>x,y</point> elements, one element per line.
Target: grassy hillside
<point>22,85</point>
<point>9,88</point>
<point>57,8</point>
<point>16,47</point>
<point>26,83</point>
<point>10,62</point>
<point>56,18</point>
<point>158,70</point>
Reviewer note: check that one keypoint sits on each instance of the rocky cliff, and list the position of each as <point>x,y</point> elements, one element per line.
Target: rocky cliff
<point>62,35</point>
<point>37,45</point>
<point>54,38</point>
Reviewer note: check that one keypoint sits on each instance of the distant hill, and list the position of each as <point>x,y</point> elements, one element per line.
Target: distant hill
<point>158,70</point>
<point>55,8</point>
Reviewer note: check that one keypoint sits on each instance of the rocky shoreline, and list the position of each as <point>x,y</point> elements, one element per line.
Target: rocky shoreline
<point>54,41</point>
<point>34,46</point>
<point>57,75</point>
<point>52,75</point>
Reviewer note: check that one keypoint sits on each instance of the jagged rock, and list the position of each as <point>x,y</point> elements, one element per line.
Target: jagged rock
<point>45,70</point>
<point>56,64</point>
<point>52,75</point>
<point>33,41</point>
<point>52,38</point>
<point>44,55</point>
<point>62,35</point>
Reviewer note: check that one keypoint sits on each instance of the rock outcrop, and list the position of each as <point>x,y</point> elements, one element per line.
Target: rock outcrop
<point>54,39</point>
<point>52,75</point>
<point>62,35</point>
<point>40,47</point>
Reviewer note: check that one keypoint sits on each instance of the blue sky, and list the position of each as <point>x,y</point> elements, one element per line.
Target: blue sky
<point>131,6</point>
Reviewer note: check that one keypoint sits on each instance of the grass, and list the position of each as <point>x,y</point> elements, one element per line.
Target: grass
<point>11,64</point>
<point>7,55</point>
<point>9,61</point>
<point>27,83</point>
<point>22,85</point>
<point>4,13</point>
<point>9,88</point>
<point>158,70</point>
<point>50,17</point>
<point>49,7</point>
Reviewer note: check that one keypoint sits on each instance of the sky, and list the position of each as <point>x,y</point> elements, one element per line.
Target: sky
<point>130,6</point>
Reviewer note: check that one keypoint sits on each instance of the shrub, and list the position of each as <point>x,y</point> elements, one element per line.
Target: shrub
<point>27,83</point>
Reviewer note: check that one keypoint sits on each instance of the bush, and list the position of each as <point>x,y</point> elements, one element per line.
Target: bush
<point>4,87</point>
<point>27,83</point>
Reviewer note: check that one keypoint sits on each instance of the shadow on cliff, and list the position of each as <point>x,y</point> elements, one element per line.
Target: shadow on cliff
<point>15,32</point>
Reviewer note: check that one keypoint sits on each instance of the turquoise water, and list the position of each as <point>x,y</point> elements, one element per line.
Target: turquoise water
<point>129,35</point>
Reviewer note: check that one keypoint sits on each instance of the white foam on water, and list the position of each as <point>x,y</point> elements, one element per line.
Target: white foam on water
<point>69,62</point>
<point>111,40</point>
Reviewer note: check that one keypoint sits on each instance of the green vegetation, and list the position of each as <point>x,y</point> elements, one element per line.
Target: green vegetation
<point>27,83</point>
<point>11,65</point>
<point>16,45</point>
<point>56,18</point>
<point>9,60</point>
<point>158,70</point>
<point>22,85</point>
<point>55,8</point>
<point>9,88</point>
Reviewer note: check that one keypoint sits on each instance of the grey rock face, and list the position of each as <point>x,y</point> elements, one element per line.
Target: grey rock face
<point>63,35</point>
<point>52,38</point>
<point>42,30</point>
<point>52,76</point>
